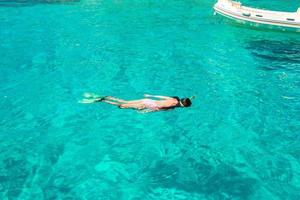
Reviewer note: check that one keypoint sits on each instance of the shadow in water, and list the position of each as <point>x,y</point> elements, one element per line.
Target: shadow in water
<point>20,3</point>
<point>217,182</point>
<point>276,54</point>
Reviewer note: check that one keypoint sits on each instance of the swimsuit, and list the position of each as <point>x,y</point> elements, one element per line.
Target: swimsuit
<point>151,104</point>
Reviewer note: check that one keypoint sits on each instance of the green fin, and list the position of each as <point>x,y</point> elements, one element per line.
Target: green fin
<point>91,98</point>
<point>90,95</point>
<point>86,101</point>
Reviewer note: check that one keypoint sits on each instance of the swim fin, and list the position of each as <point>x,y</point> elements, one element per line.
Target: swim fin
<point>91,98</point>
<point>90,95</point>
<point>87,101</point>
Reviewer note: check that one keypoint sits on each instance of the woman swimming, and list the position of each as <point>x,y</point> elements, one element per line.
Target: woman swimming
<point>145,105</point>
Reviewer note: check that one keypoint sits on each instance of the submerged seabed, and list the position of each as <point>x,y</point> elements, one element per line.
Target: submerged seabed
<point>239,140</point>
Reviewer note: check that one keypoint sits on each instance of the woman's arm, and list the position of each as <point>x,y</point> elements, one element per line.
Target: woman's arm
<point>157,96</point>
<point>146,111</point>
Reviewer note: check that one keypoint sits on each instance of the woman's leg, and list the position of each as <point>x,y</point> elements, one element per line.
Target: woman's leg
<point>112,102</point>
<point>137,106</point>
<point>124,101</point>
<point>139,101</point>
<point>115,99</point>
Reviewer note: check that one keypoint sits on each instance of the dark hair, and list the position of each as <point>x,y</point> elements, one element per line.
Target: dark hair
<point>186,102</point>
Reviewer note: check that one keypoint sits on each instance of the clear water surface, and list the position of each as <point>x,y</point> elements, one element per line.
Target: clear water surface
<point>239,140</point>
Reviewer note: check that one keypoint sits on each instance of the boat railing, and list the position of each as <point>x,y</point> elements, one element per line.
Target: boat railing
<point>248,11</point>
<point>236,4</point>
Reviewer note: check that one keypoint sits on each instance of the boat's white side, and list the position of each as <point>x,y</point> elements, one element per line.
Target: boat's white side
<point>235,10</point>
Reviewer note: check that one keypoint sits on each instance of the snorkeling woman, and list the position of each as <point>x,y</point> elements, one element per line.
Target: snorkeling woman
<point>148,104</point>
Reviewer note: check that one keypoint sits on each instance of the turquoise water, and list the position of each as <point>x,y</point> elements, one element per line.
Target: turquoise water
<point>239,140</point>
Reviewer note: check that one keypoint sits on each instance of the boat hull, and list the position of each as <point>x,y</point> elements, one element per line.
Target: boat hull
<point>238,16</point>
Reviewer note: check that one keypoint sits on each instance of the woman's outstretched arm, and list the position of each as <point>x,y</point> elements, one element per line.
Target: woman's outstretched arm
<point>157,96</point>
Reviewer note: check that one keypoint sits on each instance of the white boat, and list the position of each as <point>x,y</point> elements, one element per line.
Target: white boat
<point>235,10</point>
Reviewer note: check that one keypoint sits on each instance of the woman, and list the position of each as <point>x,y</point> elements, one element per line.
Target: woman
<point>146,105</point>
